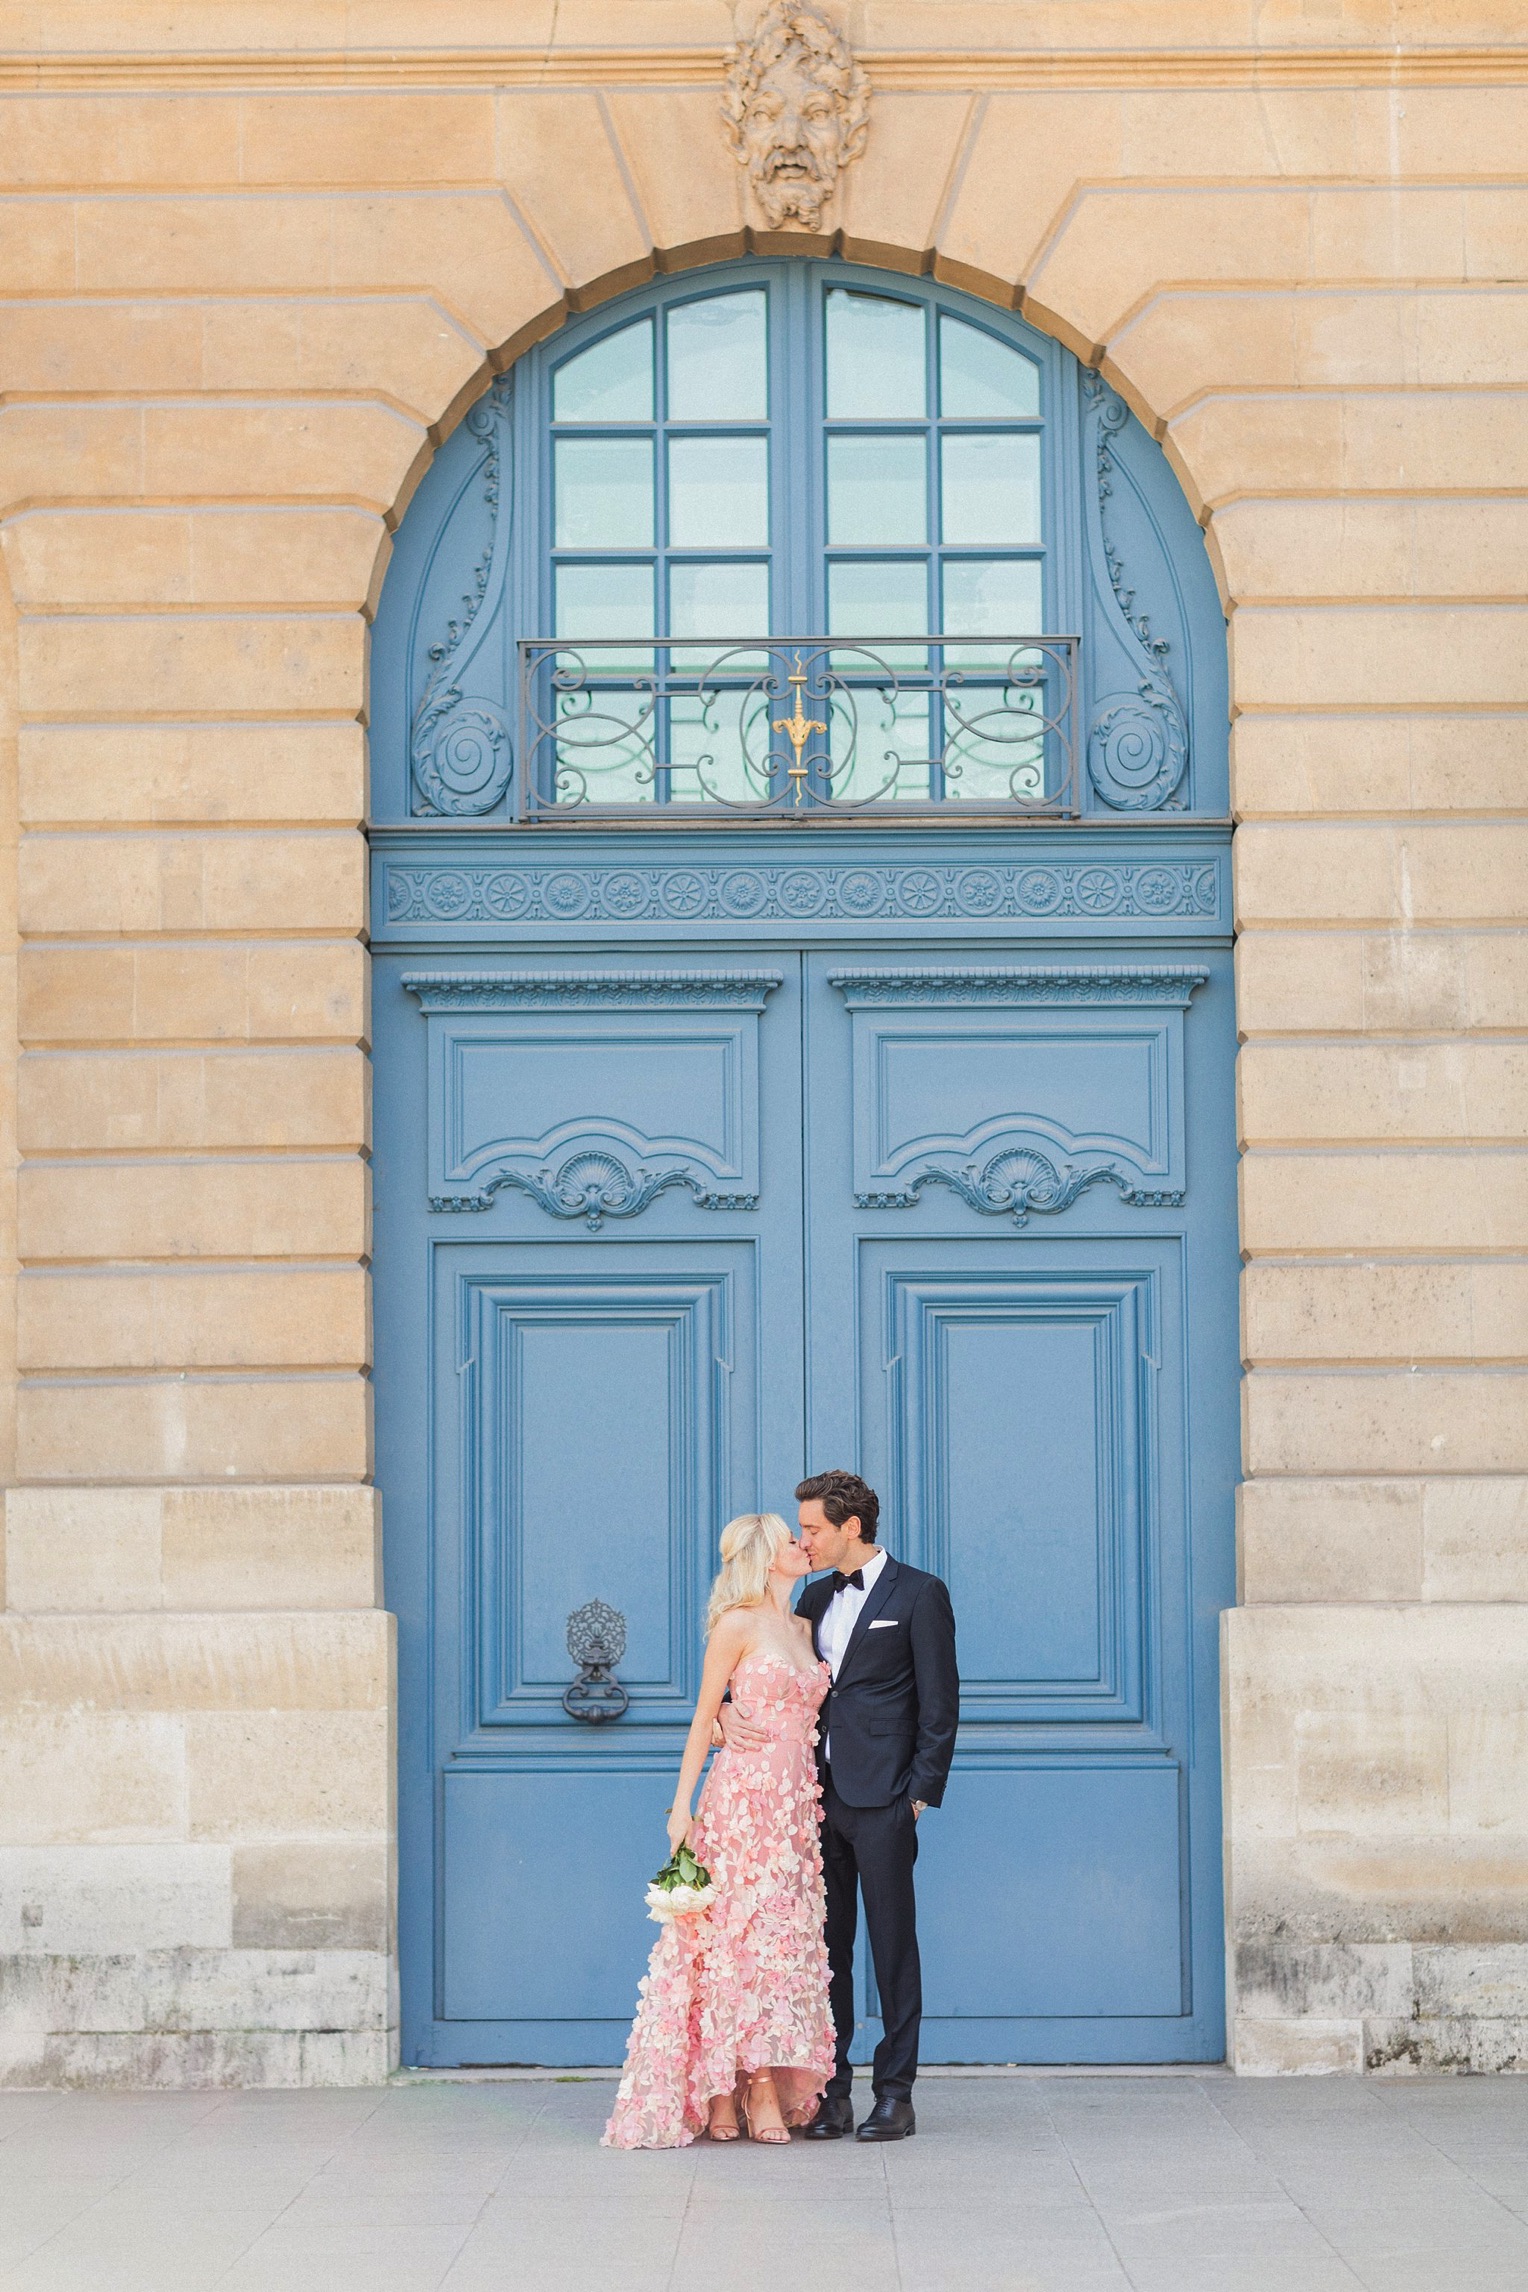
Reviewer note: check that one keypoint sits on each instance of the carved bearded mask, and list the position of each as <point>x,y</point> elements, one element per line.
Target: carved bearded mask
<point>795,106</point>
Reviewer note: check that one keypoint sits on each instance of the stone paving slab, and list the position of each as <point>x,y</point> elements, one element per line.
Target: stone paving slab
<point>1027,2183</point>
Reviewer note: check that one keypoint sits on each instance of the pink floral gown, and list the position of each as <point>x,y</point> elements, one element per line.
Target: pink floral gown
<point>744,1985</point>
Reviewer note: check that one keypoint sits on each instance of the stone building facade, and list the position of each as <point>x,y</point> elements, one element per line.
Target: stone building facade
<point>258,264</point>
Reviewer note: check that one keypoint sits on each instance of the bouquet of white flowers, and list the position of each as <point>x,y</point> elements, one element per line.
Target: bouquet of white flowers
<point>681,1889</point>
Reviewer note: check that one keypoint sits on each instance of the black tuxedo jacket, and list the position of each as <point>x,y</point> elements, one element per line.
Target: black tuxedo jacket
<point>893,1708</point>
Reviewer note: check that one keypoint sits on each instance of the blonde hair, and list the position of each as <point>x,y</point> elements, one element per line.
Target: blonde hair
<point>749,1545</point>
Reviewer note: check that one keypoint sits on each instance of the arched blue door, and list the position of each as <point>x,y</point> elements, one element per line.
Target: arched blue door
<point>804,1036</point>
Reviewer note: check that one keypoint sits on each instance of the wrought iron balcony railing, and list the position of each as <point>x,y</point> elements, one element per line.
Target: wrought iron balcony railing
<point>798,727</point>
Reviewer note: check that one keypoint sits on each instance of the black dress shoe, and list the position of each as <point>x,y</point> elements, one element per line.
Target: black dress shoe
<point>890,2120</point>
<point>833,2120</point>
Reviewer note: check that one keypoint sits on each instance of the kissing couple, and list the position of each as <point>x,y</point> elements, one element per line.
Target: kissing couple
<point>833,1725</point>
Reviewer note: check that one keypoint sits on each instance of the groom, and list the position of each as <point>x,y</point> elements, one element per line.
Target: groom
<point>886,1733</point>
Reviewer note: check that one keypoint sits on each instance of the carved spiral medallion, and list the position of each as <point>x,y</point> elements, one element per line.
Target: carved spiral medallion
<point>462,755</point>
<point>1138,747</point>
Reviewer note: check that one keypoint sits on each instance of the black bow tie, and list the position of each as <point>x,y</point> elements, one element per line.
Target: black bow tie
<point>857,1580</point>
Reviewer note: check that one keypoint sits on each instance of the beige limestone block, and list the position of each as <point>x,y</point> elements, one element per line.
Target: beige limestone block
<point>406,349</point>
<point>1465,1203</point>
<point>1186,343</point>
<point>290,1206</point>
<point>1182,343</point>
<point>251,559</point>
<point>265,1317</point>
<point>1398,231</point>
<point>1437,127</point>
<point>35,256</point>
<point>110,1669</point>
<point>1365,1773</point>
<point>1379,656</point>
<point>1297,2045</point>
<point>272,1547</point>
<point>97,344</point>
<point>1290,982</point>
<point>1348,1092</point>
<point>1400,982</point>
<point>1119,240</point>
<point>53,452</point>
<point>1425,441</point>
<point>1422,1311</point>
<point>1311,764</point>
<point>1433,441</point>
<point>1330,1540</point>
<point>254,1775</point>
<point>1475,1539</point>
<point>185,243</point>
<point>70,1900</point>
<point>892,196</point>
<point>291,449</point>
<point>189,992</point>
<point>215,880</point>
<point>81,775</point>
<point>210,2061</point>
<point>1386,1420</point>
<point>1420,873</point>
<point>162,663</point>
<point>1252,132</point>
<point>303,1894</point>
<point>1029,159</point>
<point>1487,1770</point>
<point>76,1550</point>
<point>367,137</point>
<point>79,1101</point>
<point>89,1776</point>
<point>58,141</point>
<point>1347,549</point>
<point>555,156</point>
<point>265,1990</point>
<point>698,205</point>
<point>315,1427</point>
<point>469,250</point>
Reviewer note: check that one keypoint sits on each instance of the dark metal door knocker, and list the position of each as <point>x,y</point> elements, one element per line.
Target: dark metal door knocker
<point>596,1642</point>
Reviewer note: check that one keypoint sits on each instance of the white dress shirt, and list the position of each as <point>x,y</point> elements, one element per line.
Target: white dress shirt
<point>839,1618</point>
<point>842,1612</point>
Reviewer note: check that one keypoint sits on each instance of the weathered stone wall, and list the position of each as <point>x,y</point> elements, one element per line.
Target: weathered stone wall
<point>254,265</point>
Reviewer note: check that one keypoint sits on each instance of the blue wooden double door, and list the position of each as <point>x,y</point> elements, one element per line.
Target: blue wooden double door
<point>663,1226</point>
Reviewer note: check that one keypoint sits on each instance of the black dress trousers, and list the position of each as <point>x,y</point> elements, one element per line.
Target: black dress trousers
<point>874,1848</point>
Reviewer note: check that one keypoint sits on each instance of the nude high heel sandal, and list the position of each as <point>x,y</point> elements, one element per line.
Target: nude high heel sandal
<point>771,2136</point>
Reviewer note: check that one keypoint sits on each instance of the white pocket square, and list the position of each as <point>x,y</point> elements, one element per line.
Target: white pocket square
<point>885,1623</point>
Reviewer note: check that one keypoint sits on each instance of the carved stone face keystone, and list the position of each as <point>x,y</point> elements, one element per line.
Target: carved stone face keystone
<point>797,111</point>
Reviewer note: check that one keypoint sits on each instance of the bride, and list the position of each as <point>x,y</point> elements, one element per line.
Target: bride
<point>733,2021</point>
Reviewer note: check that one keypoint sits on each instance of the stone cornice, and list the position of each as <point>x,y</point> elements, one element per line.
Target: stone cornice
<point>899,70</point>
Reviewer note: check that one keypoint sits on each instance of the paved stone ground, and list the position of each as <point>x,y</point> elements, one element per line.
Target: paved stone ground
<point>1020,2184</point>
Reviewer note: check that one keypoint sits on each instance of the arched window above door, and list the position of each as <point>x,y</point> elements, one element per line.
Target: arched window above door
<point>798,538</point>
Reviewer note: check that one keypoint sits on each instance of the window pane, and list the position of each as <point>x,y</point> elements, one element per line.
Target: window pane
<point>718,601</point>
<point>610,382</point>
<point>717,366</point>
<point>991,596</point>
<point>991,486</point>
<point>718,493</point>
<point>604,601</point>
<point>877,489</point>
<point>604,493</point>
<point>980,375</point>
<point>875,357</point>
<point>885,600</point>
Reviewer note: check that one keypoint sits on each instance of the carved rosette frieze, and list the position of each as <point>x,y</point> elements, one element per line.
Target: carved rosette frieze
<point>459,745</point>
<point>1138,741</point>
<point>595,1187</point>
<point>796,112</point>
<point>1019,1180</point>
<point>444,892</point>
